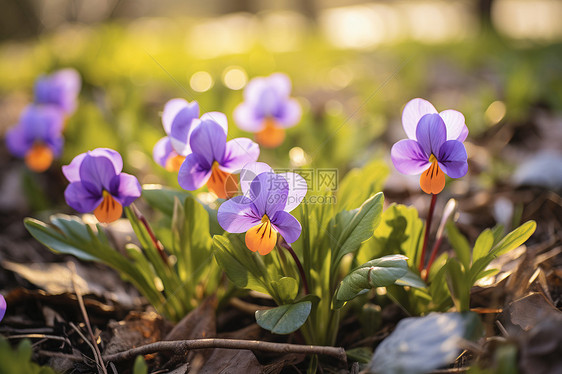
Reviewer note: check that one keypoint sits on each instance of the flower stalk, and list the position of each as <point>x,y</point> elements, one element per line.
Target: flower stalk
<point>283,244</point>
<point>427,230</point>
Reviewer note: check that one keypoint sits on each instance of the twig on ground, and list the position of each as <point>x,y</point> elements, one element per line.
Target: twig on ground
<point>40,336</point>
<point>97,353</point>
<point>247,307</point>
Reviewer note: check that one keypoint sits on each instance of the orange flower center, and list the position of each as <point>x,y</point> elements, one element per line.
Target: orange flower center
<point>109,209</point>
<point>432,181</point>
<point>272,135</point>
<point>39,157</point>
<point>223,184</point>
<point>173,163</point>
<point>262,237</point>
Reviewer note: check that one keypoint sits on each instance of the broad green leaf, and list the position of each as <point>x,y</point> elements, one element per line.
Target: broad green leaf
<point>348,229</point>
<point>498,231</point>
<point>411,279</point>
<point>515,238</point>
<point>380,272</point>
<point>400,231</point>
<point>460,244</point>
<point>284,319</point>
<point>162,198</point>
<point>287,288</point>
<point>459,286</point>
<point>371,180</point>
<point>140,366</point>
<point>483,245</point>
<point>422,344</point>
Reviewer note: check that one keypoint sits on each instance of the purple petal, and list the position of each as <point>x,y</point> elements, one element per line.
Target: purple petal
<point>239,152</point>
<point>413,111</point>
<point>281,83</point>
<point>42,122</point>
<point>297,190</point>
<point>268,192</point>
<point>96,172</point>
<point>182,127</point>
<point>408,157</point>
<point>249,172</point>
<point>3,307</point>
<point>254,90</point>
<point>456,127</point>
<point>16,141</point>
<point>217,117</point>
<point>289,114</point>
<point>80,198</point>
<point>162,151</point>
<point>236,215</point>
<point>287,225</point>
<point>431,133</point>
<point>125,188</point>
<point>208,141</point>
<point>173,107</point>
<point>246,118</point>
<point>56,145</point>
<point>72,170</point>
<point>60,88</point>
<point>192,174</point>
<point>453,159</point>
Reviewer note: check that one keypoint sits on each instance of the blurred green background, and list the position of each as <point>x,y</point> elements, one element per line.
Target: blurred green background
<point>353,64</point>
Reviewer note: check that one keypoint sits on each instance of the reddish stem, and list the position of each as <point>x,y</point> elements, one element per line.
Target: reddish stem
<point>433,255</point>
<point>157,244</point>
<point>288,247</point>
<point>427,230</point>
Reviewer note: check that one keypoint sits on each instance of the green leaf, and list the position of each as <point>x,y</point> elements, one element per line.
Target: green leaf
<point>349,229</point>
<point>371,178</point>
<point>140,366</point>
<point>162,198</point>
<point>514,239</point>
<point>459,286</point>
<point>411,279</point>
<point>483,245</point>
<point>459,243</point>
<point>287,288</point>
<point>380,272</point>
<point>284,319</point>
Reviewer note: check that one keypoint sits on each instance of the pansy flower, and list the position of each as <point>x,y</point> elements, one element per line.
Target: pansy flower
<point>2,307</point>
<point>97,184</point>
<point>267,109</point>
<point>262,212</point>
<point>434,147</point>
<point>170,151</point>
<point>37,137</point>
<point>213,160</point>
<point>60,89</point>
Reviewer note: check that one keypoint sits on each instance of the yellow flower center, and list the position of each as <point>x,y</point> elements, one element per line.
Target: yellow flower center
<point>221,183</point>
<point>109,209</point>
<point>39,157</point>
<point>262,237</point>
<point>432,181</point>
<point>271,135</point>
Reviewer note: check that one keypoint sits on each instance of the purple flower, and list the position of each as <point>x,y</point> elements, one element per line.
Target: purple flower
<point>3,307</point>
<point>213,160</point>
<point>60,89</point>
<point>263,211</point>
<point>97,184</point>
<point>434,147</point>
<point>267,109</point>
<point>37,137</point>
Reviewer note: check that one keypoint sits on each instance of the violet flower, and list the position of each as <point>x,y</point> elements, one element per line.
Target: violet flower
<point>213,160</point>
<point>434,147</point>
<point>60,89</point>
<point>37,137</point>
<point>263,211</point>
<point>267,109</point>
<point>3,307</point>
<point>97,184</point>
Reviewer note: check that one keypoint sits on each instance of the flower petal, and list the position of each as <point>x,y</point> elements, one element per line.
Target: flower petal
<point>60,88</point>
<point>236,215</point>
<point>413,111</point>
<point>162,151</point>
<point>261,238</point>
<point>289,113</point>
<point>432,181</point>
<point>125,188</point>
<point>297,190</point>
<point>287,225</point>
<point>452,159</point>
<point>246,118</point>
<point>173,107</point>
<point>268,192</point>
<point>455,123</point>
<point>17,142</point>
<point>80,198</point>
<point>281,83</point>
<point>208,141</point>
<point>239,152</point>
<point>96,172</point>
<point>249,172</point>
<point>217,117</point>
<point>182,127</point>
<point>193,175</point>
<point>431,133</point>
<point>409,157</point>
<point>3,307</point>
